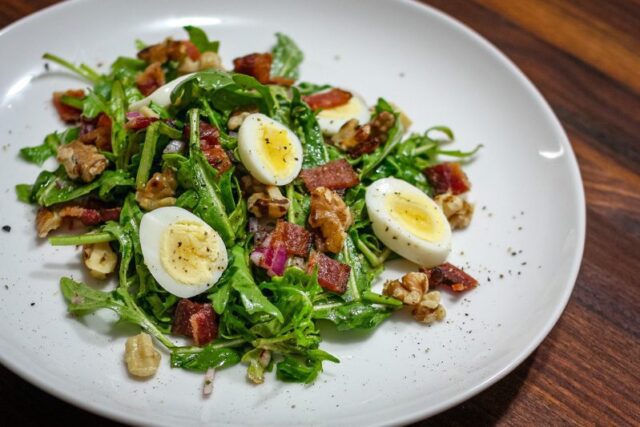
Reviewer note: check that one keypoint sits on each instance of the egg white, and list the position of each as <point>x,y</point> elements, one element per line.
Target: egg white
<point>160,96</point>
<point>332,119</point>
<point>396,236</point>
<point>253,150</point>
<point>152,228</point>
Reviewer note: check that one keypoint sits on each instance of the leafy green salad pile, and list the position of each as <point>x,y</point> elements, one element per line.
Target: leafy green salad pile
<point>254,312</point>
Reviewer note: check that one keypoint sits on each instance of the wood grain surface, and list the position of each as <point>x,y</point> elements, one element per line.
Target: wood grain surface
<point>584,56</point>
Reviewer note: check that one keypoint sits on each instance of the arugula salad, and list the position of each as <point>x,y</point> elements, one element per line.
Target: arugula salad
<point>239,208</point>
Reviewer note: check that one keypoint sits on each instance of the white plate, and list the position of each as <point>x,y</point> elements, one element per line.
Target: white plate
<point>439,72</point>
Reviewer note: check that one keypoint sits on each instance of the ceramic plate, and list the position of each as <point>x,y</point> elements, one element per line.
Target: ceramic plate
<point>524,244</point>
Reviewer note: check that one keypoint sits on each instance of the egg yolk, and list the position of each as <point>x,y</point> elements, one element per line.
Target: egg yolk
<point>350,109</point>
<point>277,150</point>
<point>188,252</point>
<point>418,218</point>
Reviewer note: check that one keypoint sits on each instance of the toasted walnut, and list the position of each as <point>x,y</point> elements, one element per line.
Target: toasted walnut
<point>269,203</point>
<point>358,140</point>
<point>409,289</point>
<point>159,191</point>
<point>208,60</point>
<point>47,220</point>
<point>331,215</point>
<point>81,160</point>
<point>346,136</point>
<point>100,259</point>
<point>141,356</point>
<point>236,120</point>
<point>457,210</point>
<point>429,309</point>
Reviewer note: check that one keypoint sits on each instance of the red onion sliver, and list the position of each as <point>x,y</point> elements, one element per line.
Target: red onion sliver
<point>133,115</point>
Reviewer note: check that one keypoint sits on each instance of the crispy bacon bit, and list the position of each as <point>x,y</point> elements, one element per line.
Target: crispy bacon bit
<point>329,99</point>
<point>447,178</point>
<point>450,275</point>
<point>150,79</point>
<point>81,160</point>
<point>258,65</point>
<point>332,275</point>
<point>196,321</point>
<point>335,175</point>
<point>97,132</point>
<point>90,216</point>
<point>170,50</point>
<point>140,122</point>
<point>66,112</point>
<point>295,239</point>
<point>211,148</point>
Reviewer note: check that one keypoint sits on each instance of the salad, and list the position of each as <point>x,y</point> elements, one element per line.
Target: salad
<point>240,208</point>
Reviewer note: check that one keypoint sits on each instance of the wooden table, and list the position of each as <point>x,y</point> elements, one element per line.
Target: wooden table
<point>584,56</point>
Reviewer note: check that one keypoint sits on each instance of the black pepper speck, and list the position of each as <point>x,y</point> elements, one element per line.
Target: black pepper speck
<point>6,228</point>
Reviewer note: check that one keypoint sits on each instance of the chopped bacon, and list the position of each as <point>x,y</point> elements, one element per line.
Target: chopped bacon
<point>294,238</point>
<point>196,321</point>
<point>258,65</point>
<point>97,132</point>
<point>332,275</point>
<point>211,148</point>
<point>335,175</point>
<point>192,51</point>
<point>450,275</point>
<point>89,215</point>
<point>329,99</point>
<point>140,122</point>
<point>150,79</point>
<point>66,112</point>
<point>447,178</point>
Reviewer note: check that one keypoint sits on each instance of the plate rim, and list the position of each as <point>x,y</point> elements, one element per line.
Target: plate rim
<point>580,215</point>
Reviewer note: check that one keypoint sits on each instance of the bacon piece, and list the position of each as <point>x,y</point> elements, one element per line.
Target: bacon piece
<point>447,178</point>
<point>332,275</point>
<point>329,99</point>
<point>66,112</point>
<point>150,79</point>
<point>211,148</point>
<point>258,65</point>
<point>90,216</point>
<point>192,51</point>
<point>140,122</point>
<point>450,275</point>
<point>97,132</point>
<point>196,321</point>
<point>335,175</point>
<point>294,238</point>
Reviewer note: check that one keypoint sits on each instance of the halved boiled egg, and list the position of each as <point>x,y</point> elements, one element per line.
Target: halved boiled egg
<point>408,221</point>
<point>332,119</point>
<point>183,253</point>
<point>270,151</point>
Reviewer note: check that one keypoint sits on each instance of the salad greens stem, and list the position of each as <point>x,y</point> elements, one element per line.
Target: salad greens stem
<point>118,132</point>
<point>83,70</point>
<point>380,299</point>
<point>169,131</point>
<point>148,152</point>
<point>82,239</point>
<point>373,259</point>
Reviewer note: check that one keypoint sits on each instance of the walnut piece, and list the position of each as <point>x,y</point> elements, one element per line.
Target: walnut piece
<point>346,139</point>
<point>409,289</point>
<point>100,259</point>
<point>332,216</point>
<point>141,356</point>
<point>47,220</point>
<point>81,160</point>
<point>208,60</point>
<point>159,191</point>
<point>429,309</point>
<point>457,210</point>
<point>358,140</point>
<point>269,203</point>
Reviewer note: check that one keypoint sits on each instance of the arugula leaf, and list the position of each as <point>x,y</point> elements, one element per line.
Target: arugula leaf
<point>303,369</point>
<point>199,38</point>
<point>305,126</point>
<point>39,153</point>
<point>370,161</point>
<point>117,106</point>
<point>200,359</point>
<point>353,315</point>
<point>23,192</point>
<point>287,56</point>
<point>307,88</point>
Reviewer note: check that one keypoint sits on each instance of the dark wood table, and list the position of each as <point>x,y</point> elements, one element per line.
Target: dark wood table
<point>584,56</point>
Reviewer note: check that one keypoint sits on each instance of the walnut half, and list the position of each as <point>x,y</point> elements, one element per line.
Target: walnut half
<point>457,210</point>
<point>332,216</point>
<point>269,203</point>
<point>429,309</point>
<point>81,160</point>
<point>159,191</point>
<point>141,356</point>
<point>100,259</point>
<point>409,289</point>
